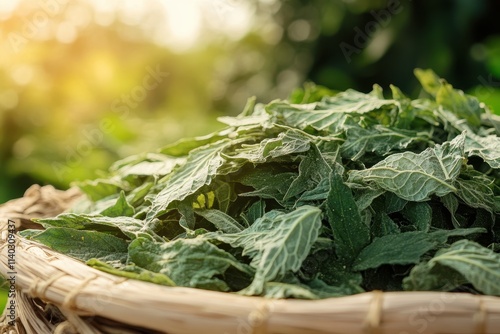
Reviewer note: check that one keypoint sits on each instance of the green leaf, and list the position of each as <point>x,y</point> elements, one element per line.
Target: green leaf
<point>315,289</point>
<point>254,212</point>
<point>415,177</point>
<point>132,271</point>
<point>277,243</point>
<point>379,140</point>
<point>334,273</point>
<point>136,197</point>
<point>477,191</point>
<point>452,123</point>
<point>352,101</point>
<point>184,146</point>
<point>432,277</point>
<point>286,290</point>
<point>331,113</point>
<point>224,195</point>
<point>478,265</point>
<point>286,143</point>
<point>84,245</point>
<point>450,202</point>
<point>419,214</point>
<point>487,148</point>
<point>366,196</point>
<point>384,225</point>
<point>310,93</point>
<point>393,203</point>
<point>101,188</point>
<point>258,117</point>
<point>268,182</point>
<point>147,164</point>
<point>324,290</point>
<point>121,208</point>
<point>463,106</point>
<point>306,116</point>
<point>199,169</point>
<point>252,114</point>
<point>312,170</point>
<point>220,220</point>
<point>188,262</point>
<point>187,220</point>
<point>430,82</point>
<point>317,194</point>
<point>405,248</point>
<point>466,107</point>
<point>117,226</point>
<point>407,113</point>
<point>350,234</point>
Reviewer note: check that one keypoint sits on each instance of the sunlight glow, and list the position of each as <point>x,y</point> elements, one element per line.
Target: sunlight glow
<point>183,22</point>
<point>187,20</point>
<point>178,25</point>
<point>8,6</point>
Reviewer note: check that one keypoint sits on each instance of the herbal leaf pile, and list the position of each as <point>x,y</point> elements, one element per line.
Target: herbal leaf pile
<point>328,194</point>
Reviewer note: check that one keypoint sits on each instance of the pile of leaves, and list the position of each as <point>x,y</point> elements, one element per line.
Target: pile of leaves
<point>328,194</point>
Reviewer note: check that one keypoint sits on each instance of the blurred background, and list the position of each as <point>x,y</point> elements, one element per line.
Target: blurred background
<point>86,82</point>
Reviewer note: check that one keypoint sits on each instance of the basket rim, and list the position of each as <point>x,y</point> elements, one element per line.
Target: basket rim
<point>74,287</point>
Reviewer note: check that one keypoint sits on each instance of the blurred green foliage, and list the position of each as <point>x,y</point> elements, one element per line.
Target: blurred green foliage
<point>3,299</point>
<point>72,104</point>
<point>4,292</point>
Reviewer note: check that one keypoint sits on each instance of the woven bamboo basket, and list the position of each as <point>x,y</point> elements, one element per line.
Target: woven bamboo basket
<point>57,294</point>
